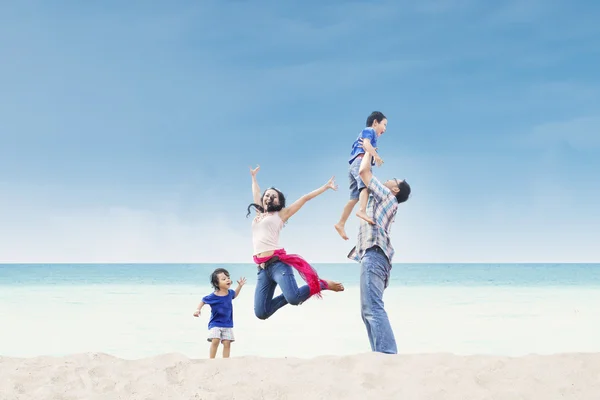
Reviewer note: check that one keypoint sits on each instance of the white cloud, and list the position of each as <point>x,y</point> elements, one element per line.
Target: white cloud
<point>539,225</point>
<point>119,235</point>
<point>420,234</point>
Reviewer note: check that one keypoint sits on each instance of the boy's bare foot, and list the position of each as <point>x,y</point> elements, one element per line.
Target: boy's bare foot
<point>341,231</point>
<point>335,286</point>
<point>363,215</point>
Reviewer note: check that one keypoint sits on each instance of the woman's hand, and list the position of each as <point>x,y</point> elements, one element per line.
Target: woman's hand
<point>331,184</point>
<point>254,171</point>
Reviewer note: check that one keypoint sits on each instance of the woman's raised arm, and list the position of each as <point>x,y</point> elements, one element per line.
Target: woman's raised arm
<point>287,212</point>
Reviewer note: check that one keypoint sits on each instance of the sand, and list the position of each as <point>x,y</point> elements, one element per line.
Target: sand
<point>362,376</point>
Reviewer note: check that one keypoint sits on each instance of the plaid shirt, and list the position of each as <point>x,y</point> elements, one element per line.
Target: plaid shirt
<point>382,206</point>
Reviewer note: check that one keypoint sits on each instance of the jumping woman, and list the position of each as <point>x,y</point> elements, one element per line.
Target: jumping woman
<point>275,266</point>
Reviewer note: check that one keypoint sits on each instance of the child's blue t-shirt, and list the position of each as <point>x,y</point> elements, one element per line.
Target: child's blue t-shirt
<point>368,133</point>
<point>221,310</point>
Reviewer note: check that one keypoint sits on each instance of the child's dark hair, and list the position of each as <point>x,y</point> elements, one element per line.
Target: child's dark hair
<point>214,277</point>
<point>375,116</point>
<point>271,208</point>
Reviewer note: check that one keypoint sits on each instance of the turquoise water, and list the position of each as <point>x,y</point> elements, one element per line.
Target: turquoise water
<point>402,274</point>
<point>135,311</point>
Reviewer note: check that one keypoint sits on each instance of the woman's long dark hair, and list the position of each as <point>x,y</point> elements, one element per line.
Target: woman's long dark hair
<point>270,207</point>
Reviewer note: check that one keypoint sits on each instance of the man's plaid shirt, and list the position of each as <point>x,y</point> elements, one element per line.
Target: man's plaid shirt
<point>382,206</point>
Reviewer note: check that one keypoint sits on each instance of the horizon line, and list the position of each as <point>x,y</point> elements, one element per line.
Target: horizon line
<point>314,262</point>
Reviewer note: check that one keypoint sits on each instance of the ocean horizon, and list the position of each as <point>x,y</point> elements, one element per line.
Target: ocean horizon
<point>402,273</point>
<point>141,310</point>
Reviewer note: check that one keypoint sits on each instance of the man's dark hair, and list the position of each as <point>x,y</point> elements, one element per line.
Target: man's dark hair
<point>214,277</point>
<point>404,192</point>
<point>375,116</point>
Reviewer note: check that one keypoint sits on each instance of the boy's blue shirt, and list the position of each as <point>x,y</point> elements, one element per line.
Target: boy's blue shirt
<point>368,133</point>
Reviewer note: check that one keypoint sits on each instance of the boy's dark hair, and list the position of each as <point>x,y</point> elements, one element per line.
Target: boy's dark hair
<point>214,277</point>
<point>375,116</point>
<point>270,208</point>
<point>404,192</point>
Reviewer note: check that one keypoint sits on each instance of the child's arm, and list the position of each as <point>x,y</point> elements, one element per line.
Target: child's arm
<point>255,187</point>
<point>197,312</point>
<point>241,282</point>
<point>287,212</point>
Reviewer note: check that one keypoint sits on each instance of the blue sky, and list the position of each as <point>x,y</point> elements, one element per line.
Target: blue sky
<point>127,129</point>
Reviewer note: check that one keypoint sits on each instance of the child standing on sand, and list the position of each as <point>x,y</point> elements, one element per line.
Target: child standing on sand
<point>220,325</point>
<point>366,142</point>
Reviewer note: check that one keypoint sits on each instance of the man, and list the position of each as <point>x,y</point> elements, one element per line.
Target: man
<point>374,251</point>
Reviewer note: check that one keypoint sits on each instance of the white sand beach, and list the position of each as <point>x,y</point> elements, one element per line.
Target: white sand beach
<point>94,376</point>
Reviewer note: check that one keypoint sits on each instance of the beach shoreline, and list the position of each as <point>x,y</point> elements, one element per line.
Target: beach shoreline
<point>374,375</point>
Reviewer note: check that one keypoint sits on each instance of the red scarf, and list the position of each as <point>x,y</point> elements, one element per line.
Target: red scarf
<point>306,271</point>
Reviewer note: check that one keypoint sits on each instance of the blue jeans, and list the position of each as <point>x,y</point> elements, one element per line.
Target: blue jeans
<point>374,278</point>
<point>275,274</point>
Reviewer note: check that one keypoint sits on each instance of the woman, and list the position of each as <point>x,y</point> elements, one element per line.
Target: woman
<point>274,264</point>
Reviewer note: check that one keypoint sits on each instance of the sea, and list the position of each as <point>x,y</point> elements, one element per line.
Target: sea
<point>136,311</point>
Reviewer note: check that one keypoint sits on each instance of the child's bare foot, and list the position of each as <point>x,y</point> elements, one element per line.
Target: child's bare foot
<point>341,231</point>
<point>363,215</point>
<point>335,286</point>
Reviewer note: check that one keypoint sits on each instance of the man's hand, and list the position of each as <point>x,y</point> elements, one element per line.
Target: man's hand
<point>373,152</point>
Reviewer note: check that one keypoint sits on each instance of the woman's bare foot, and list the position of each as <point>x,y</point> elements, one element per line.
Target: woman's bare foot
<point>363,215</point>
<point>335,286</point>
<point>341,231</point>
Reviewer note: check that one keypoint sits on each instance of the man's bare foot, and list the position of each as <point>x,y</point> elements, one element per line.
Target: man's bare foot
<point>335,286</point>
<point>341,231</point>
<point>363,215</point>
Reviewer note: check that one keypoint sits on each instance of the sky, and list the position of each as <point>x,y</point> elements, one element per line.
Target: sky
<point>127,129</point>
